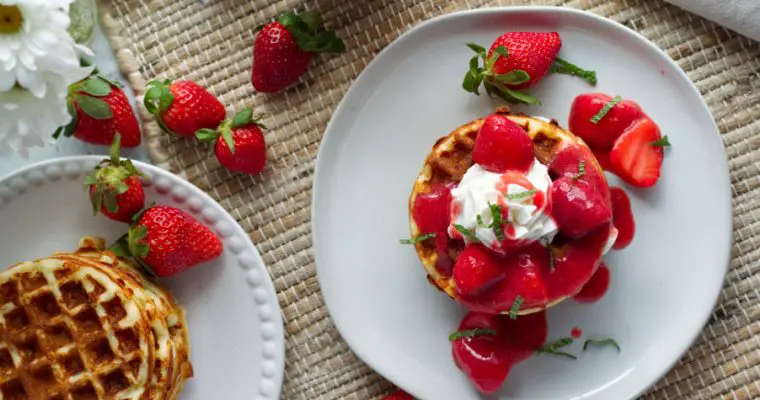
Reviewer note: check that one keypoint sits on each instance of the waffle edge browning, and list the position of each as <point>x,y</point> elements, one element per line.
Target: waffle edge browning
<point>87,325</point>
<point>450,158</point>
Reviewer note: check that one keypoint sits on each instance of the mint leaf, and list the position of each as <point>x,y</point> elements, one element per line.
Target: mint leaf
<point>581,170</point>
<point>466,232</point>
<point>553,348</point>
<point>417,239</point>
<point>661,142</point>
<point>516,307</point>
<point>496,223</point>
<point>601,342</point>
<point>560,66</point>
<point>607,107</point>
<point>472,333</point>
<point>521,195</point>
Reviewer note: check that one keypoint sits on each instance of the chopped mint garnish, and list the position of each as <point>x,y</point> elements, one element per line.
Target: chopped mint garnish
<point>472,333</point>
<point>607,107</point>
<point>496,224</point>
<point>521,195</point>
<point>661,142</point>
<point>560,66</point>
<point>516,307</point>
<point>581,170</point>
<point>417,239</point>
<point>601,342</point>
<point>466,232</point>
<point>553,348</point>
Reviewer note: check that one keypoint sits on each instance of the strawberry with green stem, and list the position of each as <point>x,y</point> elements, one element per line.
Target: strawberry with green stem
<point>283,49</point>
<point>115,186</point>
<point>239,143</point>
<point>100,110</point>
<point>183,107</point>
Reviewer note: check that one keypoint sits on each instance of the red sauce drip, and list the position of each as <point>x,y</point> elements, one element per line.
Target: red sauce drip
<point>538,200</point>
<point>596,287</point>
<point>576,332</point>
<point>432,212</point>
<point>622,218</point>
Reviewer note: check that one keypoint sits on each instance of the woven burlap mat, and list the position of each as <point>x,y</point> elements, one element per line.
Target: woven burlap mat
<point>211,43</point>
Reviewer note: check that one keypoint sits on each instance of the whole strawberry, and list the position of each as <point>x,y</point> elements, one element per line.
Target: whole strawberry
<point>183,107</point>
<point>115,187</point>
<point>283,49</point>
<point>239,143</point>
<point>100,110</point>
<point>168,241</point>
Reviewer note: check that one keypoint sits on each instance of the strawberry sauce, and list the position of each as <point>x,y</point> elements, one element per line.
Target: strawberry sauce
<point>431,213</point>
<point>596,287</point>
<point>576,332</point>
<point>622,218</point>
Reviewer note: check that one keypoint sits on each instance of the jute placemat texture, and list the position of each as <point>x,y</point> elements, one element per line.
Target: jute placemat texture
<point>211,44</point>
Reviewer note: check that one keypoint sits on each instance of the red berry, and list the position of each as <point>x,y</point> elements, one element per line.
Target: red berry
<point>602,135</point>
<point>575,262</point>
<point>532,52</point>
<point>101,114</point>
<point>169,241</point>
<point>567,162</point>
<point>634,158</point>
<point>239,144</point>
<point>115,187</point>
<point>485,360</point>
<point>398,395</point>
<point>578,207</point>
<point>476,270</point>
<point>183,107</point>
<point>502,145</point>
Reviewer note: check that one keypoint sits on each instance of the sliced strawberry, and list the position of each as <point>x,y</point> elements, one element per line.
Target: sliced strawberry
<point>596,287</point>
<point>622,218</point>
<point>634,158</point>
<point>574,262</point>
<point>476,270</point>
<point>502,145</point>
<point>601,136</point>
<point>578,207</point>
<point>485,359</point>
<point>523,278</point>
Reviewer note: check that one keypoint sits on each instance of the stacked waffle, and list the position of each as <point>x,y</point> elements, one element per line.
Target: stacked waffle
<point>88,325</point>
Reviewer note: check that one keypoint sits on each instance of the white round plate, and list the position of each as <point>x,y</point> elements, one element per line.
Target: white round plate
<point>663,286</point>
<point>236,334</point>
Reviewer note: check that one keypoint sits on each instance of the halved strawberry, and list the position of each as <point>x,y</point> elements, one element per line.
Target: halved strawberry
<point>575,262</point>
<point>523,278</point>
<point>476,270</point>
<point>579,207</point>
<point>601,136</point>
<point>622,218</point>
<point>634,157</point>
<point>502,145</point>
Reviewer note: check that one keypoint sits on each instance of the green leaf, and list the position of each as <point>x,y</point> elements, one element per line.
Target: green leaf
<point>227,137</point>
<point>513,77</point>
<point>243,118</point>
<point>109,200</point>
<point>89,180</point>
<point>472,333</point>
<point>474,64</point>
<point>553,348</point>
<point>94,107</point>
<point>601,342</point>
<point>311,19</point>
<point>476,48</point>
<point>166,99</point>
<point>152,99</point>
<point>120,247</point>
<point>97,201</point>
<point>58,132</point>
<point>206,134</point>
<point>119,186</point>
<point>466,232</point>
<point>498,52</point>
<point>133,170</point>
<point>560,66</point>
<point>517,96</point>
<point>96,86</point>
<point>661,142</point>
<point>521,195</point>
<point>513,311</point>
<point>605,109</point>
<point>496,223</point>
<point>468,83</point>
<point>113,152</point>
<point>417,239</point>
<point>136,235</point>
<point>581,170</point>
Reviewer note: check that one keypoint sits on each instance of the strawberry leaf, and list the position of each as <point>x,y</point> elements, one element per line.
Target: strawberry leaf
<point>515,96</point>
<point>227,137</point>
<point>113,152</point>
<point>513,77</point>
<point>497,53</point>
<point>96,200</point>
<point>135,237</point>
<point>167,97</point>
<point>477,48</point>
<point>94,107</point>
<point>134,170</point>
<point>152,99</point>
<point>311,19</point>
<point>109,200</point>
<point>120,247</point>
<point>96,86</point>
<point>308,34</point>
<point>560,66</point>
<point>243,118</point>
<point>206,134</point>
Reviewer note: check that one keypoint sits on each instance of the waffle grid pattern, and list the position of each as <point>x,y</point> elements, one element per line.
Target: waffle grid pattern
<point>210,43</point>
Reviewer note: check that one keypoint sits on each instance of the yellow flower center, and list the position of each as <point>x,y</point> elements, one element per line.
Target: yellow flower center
<point>10,19</point>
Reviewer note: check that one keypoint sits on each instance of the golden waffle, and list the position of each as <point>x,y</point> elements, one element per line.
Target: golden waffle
<point>85,326</point>
<point>450,158</point>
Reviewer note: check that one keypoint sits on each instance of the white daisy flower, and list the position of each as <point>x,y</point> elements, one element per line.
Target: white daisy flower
<point>38,61</point>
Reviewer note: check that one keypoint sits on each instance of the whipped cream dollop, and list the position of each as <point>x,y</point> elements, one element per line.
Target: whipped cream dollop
<point>523,199</point>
